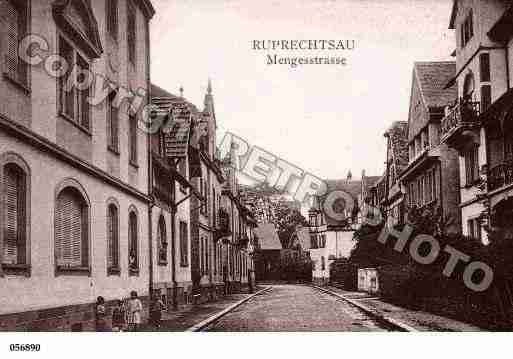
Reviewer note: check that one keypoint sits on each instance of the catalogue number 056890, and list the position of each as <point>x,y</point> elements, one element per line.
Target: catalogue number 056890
<point>25,347</point>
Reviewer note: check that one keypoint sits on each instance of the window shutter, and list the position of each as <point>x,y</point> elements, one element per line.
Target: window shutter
<point>486,97</point>
<point>70,231</point>
<point>67,96</point>
<point>14,230</point>
<point>133,137</point>
<point>113,237</point>
<point>11,50</point>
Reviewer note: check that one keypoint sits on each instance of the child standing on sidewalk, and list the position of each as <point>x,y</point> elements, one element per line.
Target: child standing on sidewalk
<point>134,311</point>
<point>100,314</point>
<point>157,306</point>
<point>118,316</point>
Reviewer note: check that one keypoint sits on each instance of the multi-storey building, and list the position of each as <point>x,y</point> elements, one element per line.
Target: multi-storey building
<point>73,164</point>
<point>431,177</point>
<point>332,238</point>
<point>172,191</point>
<point>388,193</point>
<point>478,125</point>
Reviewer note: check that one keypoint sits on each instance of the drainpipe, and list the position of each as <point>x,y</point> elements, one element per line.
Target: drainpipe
<point>150,167</point>
<point>173,250</point>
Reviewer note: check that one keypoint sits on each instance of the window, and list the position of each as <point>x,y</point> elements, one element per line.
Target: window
<point>474,228</point>
<point>15,215</point>
<point>323,263</point>
<point>131,32</point>
<point>182,169</point>
<point>162,241</point>
<point>467,29</point>
<point>73,101</point>
<point>486,97</point>
<point>484,67</point>
<point>471,166</point>
<point>184,244</point>
<point>71,230</point>
<point>112,123</point>
<point>112,18</point>
<point>132,125</point>
<point>112,239</point>
<point>207,256</point>
<point>133,247</point>
<point>16,25</point>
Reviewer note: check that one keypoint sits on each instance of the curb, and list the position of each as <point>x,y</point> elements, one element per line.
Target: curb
<point>384,318</point>
<point>201,325</point>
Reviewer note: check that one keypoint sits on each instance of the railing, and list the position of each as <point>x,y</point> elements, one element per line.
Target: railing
<point>500,175</point>
<point>464,112</point>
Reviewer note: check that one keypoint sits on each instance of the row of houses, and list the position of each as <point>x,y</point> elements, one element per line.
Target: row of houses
<point>454,155</point>
<point>94,203</point>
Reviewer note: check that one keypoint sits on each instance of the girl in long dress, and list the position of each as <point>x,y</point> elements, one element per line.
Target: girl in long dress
<point>134,311</point>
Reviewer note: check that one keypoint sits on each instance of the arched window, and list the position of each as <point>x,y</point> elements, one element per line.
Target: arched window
<point>162,241</point>
<point>133,250</point>
<point>71,230</point>
<point>15,215</point>
<point>112,239</point>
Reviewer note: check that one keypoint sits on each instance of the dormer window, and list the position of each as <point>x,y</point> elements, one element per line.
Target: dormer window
<point>467,29</point>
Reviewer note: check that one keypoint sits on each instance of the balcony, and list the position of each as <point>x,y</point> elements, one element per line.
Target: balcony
<point>457,125</point>
<point>500,175</point>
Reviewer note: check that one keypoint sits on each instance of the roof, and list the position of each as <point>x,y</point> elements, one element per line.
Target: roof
<point>177,134</point>
<point>267,236</point>
<point>432,78</point>
<point>502,30</point>
<point>398,136</point>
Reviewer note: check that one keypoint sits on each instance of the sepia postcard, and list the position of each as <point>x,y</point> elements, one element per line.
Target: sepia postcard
<point>253,166</point>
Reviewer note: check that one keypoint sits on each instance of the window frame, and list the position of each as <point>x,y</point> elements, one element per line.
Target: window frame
<point>112,113</point>
<point>11,158</point>
<point>84,268</point>
<point>132,140</point>
<point>22,30</point>
<point>184,243</point>
<point>162,242</point>
<point>131,32</point>
<point>115,268</point>
<point>133,213</point>
<point>78,59</point>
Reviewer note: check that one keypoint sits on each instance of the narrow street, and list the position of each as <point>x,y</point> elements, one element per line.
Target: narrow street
<point>295,308</point>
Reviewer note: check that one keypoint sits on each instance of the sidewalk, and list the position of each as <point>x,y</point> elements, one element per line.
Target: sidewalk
<point>182,319</point>
<point>419,320</point>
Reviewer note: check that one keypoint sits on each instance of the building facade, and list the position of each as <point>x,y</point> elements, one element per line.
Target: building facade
<point>431,178</point>
<point>478,125</point>
<point>73,166</point>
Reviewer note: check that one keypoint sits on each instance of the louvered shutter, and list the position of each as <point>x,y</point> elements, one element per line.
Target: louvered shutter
<point>113,237</point>
<point>14,230</point>
<point>70,236</point>
<point>11,42</point>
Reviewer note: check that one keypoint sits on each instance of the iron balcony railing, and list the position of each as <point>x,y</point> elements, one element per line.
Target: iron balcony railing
<point>463,113</point>
<point>500,175</point>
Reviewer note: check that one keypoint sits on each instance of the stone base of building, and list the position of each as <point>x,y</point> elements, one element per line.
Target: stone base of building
<point>80,317</point>
<point>320,281</point>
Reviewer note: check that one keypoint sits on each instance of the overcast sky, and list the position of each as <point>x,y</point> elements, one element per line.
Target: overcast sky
<point>326,119</point>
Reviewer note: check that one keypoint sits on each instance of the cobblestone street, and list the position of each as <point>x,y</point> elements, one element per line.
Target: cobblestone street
<point>295,308</point>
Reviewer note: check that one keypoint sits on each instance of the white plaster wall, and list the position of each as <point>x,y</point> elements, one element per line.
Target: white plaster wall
<point>43,289</point>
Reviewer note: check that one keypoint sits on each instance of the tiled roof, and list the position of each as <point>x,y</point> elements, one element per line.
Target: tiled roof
<point>398,134</point>
<point>432,78</point>
<point>267,236</point>
<point>177,135</point>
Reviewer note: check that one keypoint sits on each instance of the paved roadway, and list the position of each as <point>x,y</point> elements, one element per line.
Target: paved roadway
<point>295,308</point>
